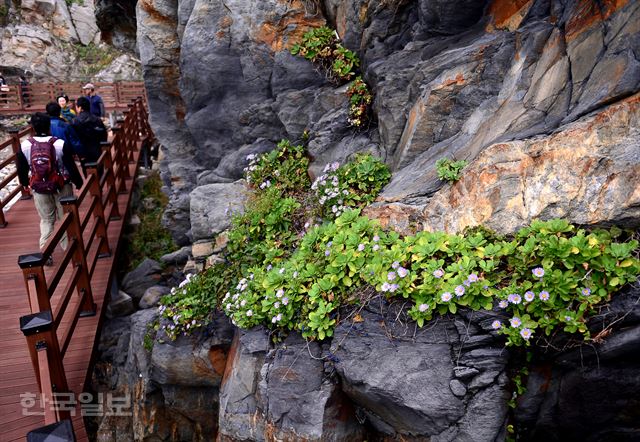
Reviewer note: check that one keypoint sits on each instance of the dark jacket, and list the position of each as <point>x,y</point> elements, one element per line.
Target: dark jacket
<point>91,132</point>
<point>61,129</point>
<point>97,105</point>
<point>67,160</point>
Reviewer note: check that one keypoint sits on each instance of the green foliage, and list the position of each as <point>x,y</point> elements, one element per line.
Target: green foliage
<point>4,11</point>
<point>449,170</point>
<point>151,239</point>
<point>268,232</point>
<point>321,46</point>
<point>71,2</point>
<point>440,273</point>
<point>285,168</point>
<point>360,98</point>
<point>352,185</point>
<point>94,57</point>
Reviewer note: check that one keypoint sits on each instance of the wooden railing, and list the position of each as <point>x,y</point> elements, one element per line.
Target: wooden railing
<point>8,150</point>
<point>34,97</point>
<point>55,310</point>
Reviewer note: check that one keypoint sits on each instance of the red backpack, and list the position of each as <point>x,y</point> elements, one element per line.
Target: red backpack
<point>45,176</point>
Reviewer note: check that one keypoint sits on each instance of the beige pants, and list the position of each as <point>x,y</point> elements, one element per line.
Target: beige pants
<point>50,210</point>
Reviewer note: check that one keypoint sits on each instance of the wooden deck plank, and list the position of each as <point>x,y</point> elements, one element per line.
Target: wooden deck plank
<point>17,376</point>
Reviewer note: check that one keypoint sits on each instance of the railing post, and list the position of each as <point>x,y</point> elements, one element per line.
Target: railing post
<point>45,354</point>
<point>15,146</point>
<point>60,432</point>
<point>111,182</point>
<point>98,214</point>
<point>79,258</point>
<point>35,280</point>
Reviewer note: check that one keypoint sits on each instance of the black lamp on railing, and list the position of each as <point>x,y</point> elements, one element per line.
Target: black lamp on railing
<point>59,432</point>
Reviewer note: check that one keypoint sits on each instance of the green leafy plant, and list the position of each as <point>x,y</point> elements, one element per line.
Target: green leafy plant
<point>450,170</point>
<point>151,239</point>
<point>360,99</point>
<point>284,167</point>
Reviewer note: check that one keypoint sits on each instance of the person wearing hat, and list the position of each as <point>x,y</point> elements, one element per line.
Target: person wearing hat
<point>97,105</point>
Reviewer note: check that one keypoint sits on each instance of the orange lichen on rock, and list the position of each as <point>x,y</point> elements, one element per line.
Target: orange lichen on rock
<point>508,14</point>
<point>289,29</point>
<point>589,13</point>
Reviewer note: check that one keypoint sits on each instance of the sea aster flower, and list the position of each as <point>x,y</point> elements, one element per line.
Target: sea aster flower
<point>459,291</point>
<point>446,297</point>
<point>529,296</point>
<point>473,277</point>
<point>438,273</point>
<point>515,322</point>
<point>376,247</point>
<point>525,333</point>
<point>391,276</point>
<point>514,298</point>
<point>496,324</point>
<point>538,272</point>
<point>279,293</point>
<point>385,287</point>
<point>249,313</point>
<point>423,308</point>
<point>395,265</point>
<point>285,300</point>
<point>586,291</point>
<point>376,238</point>
<point>360,247</point>
<point>503,304</point>
<point>402,272</point>
<point>544,295</point>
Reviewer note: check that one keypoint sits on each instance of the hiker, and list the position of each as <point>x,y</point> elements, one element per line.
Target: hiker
<point>67,113</point>
<point>25,90</point>
<point>61,129</point>
<point>4,88</point>
<point>91,132</point>
<point>97,105</point>
<point>45,164</point>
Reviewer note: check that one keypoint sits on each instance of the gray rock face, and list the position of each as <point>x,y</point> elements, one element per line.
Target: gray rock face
<point>147,274</point>
<point>595,389</point>
<point>212,207</point>
<point>414,389</point>
<point>120,305</point>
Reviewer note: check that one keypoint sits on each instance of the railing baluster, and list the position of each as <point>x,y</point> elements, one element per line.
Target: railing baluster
<point>98,214</point>
<point>70,204</point>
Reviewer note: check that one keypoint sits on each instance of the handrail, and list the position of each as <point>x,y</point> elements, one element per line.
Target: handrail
<point>82,256</point>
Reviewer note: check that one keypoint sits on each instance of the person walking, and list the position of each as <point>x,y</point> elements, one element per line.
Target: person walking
<point>25,91</point>
<point>45,164</point>
<point>61,129</point>
<point>90,130</point>
<point>97,105</point>
<point>4,88</point>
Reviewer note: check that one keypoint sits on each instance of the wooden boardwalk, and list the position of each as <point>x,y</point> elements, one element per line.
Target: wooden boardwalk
<point>17,373</point>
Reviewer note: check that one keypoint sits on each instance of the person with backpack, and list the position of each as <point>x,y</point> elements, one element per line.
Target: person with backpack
<point>90,130</point>
<point>60,128</point>
<point>46,166</point>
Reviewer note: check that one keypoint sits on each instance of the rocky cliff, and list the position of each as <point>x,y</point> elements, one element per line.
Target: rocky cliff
<point>58,40</point>
<point>479,81</point>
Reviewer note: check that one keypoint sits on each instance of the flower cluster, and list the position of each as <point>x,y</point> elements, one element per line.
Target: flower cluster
<point>328,191</point>
<point>284,167</point>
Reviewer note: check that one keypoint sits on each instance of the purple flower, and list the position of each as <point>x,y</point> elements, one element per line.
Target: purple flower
<point>402,272</point>
<point>467,283</point>
<point>295,274</point>
<point>391,276</point>
<point>285,300</point>
<point>279,293</point>
<point>376,247</point>
<point>277,304</point>
<point>568,318</point>
<point>376,238</point>
<point>515,322</point>
<point>360,247</point>
<point>529,296</point>
<point>503,304</point>
<point>395,265</point>
<point>473,277</point>
<point>514,298</point>
<point>496,324</point>
<point>249,313</point>
<point>459,291</point>
<point>586,291</point>
<point>538,272</point>
<point>446,297</point>
<point>281,271</point>
<point>438,273</point>
<point>525,333</point>
<point>327,252</point>
<point>544,295</point>
<point>423,308</point>
<point>393,287</point>
<point>269,267</point>
<point>385,287</point>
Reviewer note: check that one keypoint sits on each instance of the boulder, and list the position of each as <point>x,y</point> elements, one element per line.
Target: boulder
<point>418,387</point>
<point>153,295</point>
<point>136,282</point>
<point>120,305</point>
<point>180,256</point>
<point>187,363</point>
<point>201,249</point>
<point>84,20</point>
<point>212,207</point>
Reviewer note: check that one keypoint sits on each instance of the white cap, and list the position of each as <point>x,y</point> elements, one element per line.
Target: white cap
<point>88,86</point>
